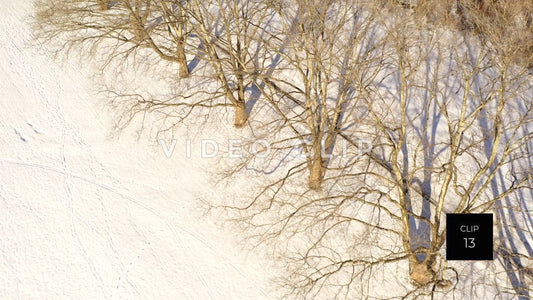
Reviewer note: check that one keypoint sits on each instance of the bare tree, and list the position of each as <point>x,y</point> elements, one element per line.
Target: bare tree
<point>325,73</point>
<point>443,149</point>
<point>224,33</point>
<point>449,118</point>
<point>118,29</point>
<point>230,34</point>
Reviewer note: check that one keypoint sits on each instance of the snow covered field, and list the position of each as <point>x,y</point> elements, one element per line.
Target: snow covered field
<point>84,215</point>
<point>89,211</point>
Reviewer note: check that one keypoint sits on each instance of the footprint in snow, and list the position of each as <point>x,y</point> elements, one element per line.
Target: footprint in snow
<point>33,128</point>
<point>21,137</point>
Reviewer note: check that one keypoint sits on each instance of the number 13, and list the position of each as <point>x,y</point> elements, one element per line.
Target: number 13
<point>469,242</point>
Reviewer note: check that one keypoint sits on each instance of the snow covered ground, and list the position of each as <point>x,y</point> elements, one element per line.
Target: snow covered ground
<point>83,215</point>
<point>89,214</point>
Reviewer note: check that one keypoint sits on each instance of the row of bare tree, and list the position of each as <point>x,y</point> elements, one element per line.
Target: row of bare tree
<point>448,115</point>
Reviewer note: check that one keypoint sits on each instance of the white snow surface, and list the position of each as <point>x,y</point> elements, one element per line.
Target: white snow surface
<point>83,215</point>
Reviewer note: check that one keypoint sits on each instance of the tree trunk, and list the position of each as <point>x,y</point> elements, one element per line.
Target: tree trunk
<point>182,58</point>
<point>317,172</point>
<point>137,28</point>
<point>182,63</point>
<point>103,4</point>
<point>240,115</point>
<point>421,273</point>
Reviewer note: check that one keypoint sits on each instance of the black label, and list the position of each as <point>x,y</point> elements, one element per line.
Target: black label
<point>469,237</point>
